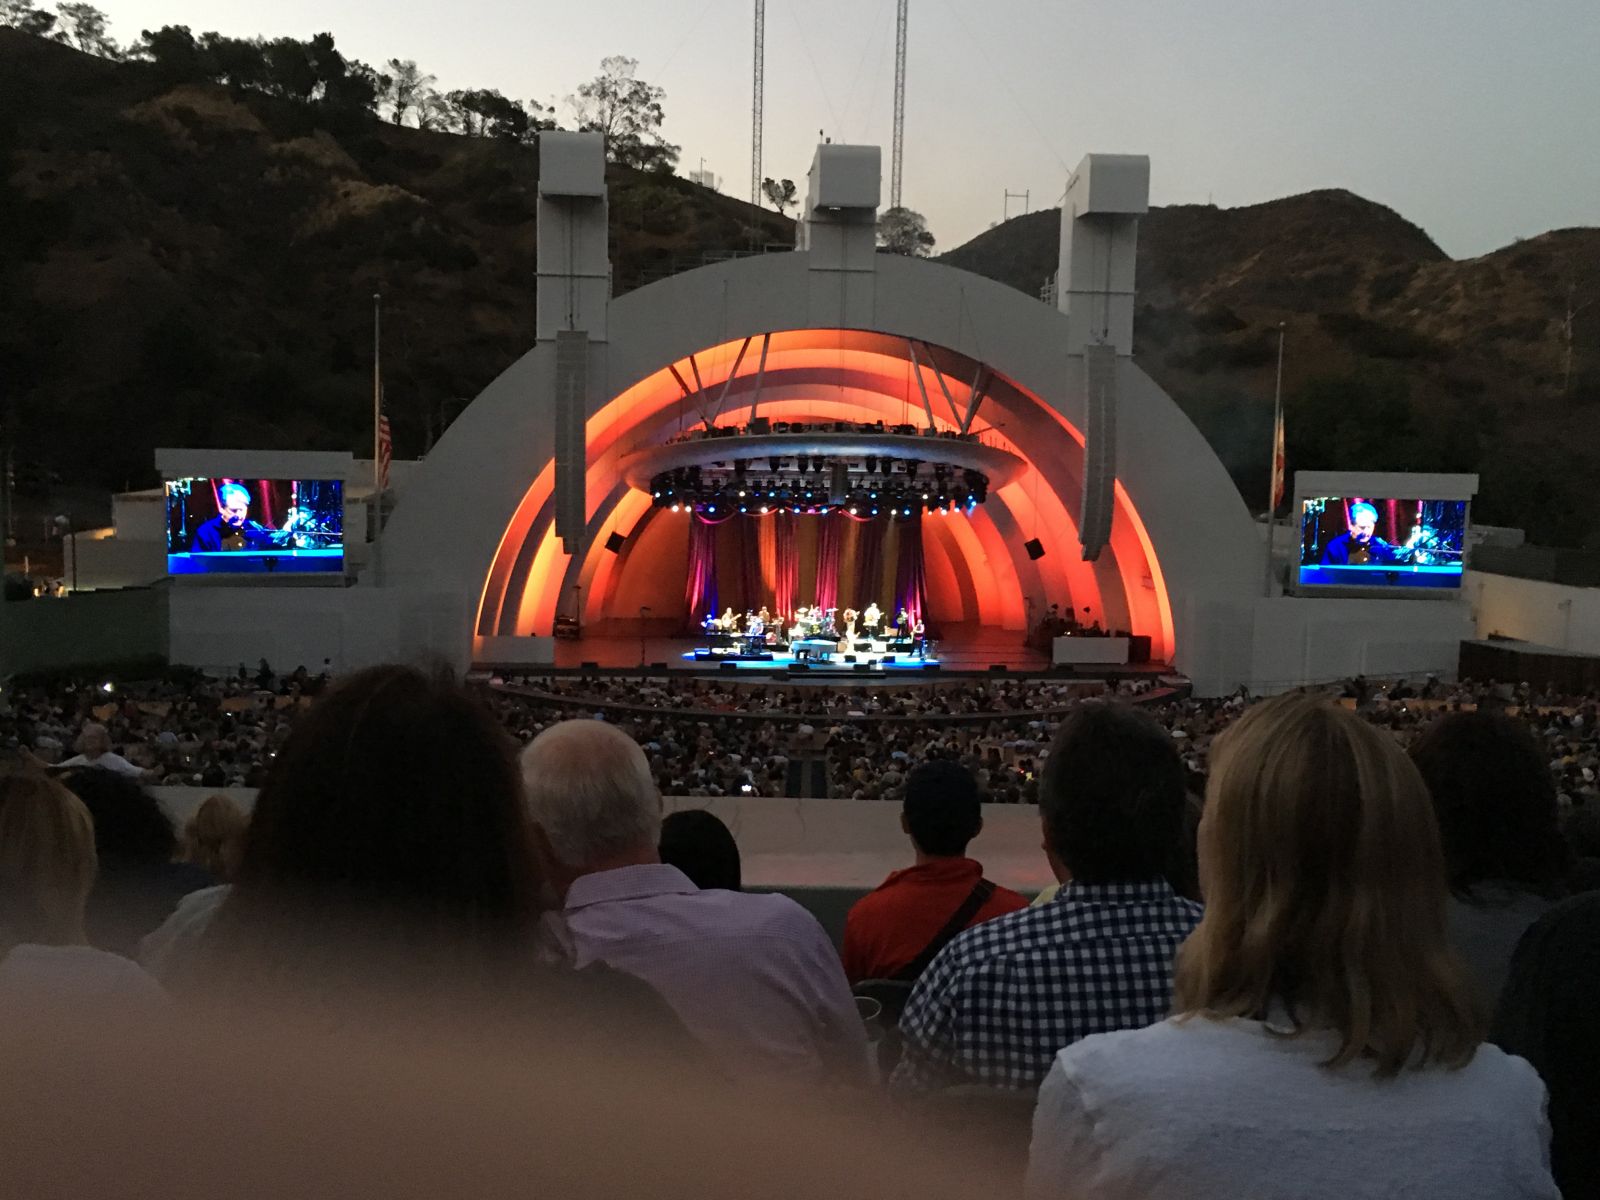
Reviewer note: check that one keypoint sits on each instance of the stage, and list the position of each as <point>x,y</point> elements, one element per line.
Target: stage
<point>962,650</point>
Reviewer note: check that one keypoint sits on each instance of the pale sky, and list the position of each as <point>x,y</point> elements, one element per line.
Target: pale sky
<point>1478,121</point>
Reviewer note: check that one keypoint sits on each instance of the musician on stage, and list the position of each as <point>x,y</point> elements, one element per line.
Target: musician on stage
<point>727,623</point>
<point>850,616</point>
<point>919,639</point>
<point>902,625</point>
<point>872,618</point>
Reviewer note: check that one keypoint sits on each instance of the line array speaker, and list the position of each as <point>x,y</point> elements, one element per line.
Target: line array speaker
<point>571,403</point>
<point>1099,450</point>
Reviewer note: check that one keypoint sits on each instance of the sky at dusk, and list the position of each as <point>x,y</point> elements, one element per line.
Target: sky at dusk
<point>1478,121</point>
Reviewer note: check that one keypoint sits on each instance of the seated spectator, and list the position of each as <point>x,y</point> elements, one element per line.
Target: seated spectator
<point>1504,853</point>
<point>999,1001</point>
<point>753,976</point>
<point>47,866</point>
<point>139,884</point>
<point>213,837</point>
<point>1547,1015</point>
<point>1325,1042</point>
<point>894,931</point>
<point>94,750</point>
<point>701,846</point>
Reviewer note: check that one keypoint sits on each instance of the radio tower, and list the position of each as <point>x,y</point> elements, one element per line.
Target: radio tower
<point>899,103</point>
<point>755,104</point>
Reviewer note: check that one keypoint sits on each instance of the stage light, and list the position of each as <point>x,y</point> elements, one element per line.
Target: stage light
<point>741,493</point>
<point>874,510</point>
<point>742,508</point>
<point>924,495</point>
<point>872,464</point>
<point>852,510</point>
<point>674,508</point>
<point>658,495</point>
<point>763,508</point>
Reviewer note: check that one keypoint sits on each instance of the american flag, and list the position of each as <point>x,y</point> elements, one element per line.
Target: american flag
<point>385,450</point>
<point>1278,463</point>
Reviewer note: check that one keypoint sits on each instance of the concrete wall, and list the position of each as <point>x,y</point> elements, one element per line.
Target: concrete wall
<point>1297,640</point>
<point>1547,614</point>
<point>114,562</point>
<point>84,629</point>
<point>291,626</point>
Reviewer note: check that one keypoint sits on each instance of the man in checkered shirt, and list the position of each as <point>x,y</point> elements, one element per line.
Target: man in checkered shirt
<point>1005,996</point>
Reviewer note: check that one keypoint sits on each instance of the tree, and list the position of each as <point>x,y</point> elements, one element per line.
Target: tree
<point>239,62</point>
<point>290,71</point>
<point>22,15</point>
<point>779,192</point>
<point>433,110</point>
<point>175,54</point>
<point>627,112</point>
<point>407,86</point>
<point>901,231</point>
<point>84,27</point>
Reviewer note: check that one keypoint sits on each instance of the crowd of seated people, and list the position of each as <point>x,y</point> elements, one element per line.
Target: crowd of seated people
<point>1291,999</point>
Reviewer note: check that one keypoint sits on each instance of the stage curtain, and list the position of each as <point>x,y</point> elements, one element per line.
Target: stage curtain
<point>786,573</point>
<point>750,574</point>
<point>830,539</point>
<point>701,591</point>
<point>869,565</point>
<point>911,574</point>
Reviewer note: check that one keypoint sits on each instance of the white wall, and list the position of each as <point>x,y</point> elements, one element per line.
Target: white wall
<point>810,843</point>
<point>1299,640</point>
<point>1547,614</point>
<point>291,626</point>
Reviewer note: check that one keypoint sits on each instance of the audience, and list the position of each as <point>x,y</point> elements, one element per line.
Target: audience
<point>895,931</point>
<point>702,847</point>
<point>1505,858</point>
<point>1325,1042</point>
<point>140,883</point>
<point>1002,998</point>
<point>1547,1015</point>
<point>754,977</point>
<point>47,867</point>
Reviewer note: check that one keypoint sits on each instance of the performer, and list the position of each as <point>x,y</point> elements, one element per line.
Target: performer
<point>919,639</point>
<point>902,625</point>
<point>232,528</point>
<point>850,616</point>
<point>872,618</point>
<point>727,623</point>
<point>1360,545</point>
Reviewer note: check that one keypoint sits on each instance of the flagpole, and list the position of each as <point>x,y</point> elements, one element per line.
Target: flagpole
<point>1273,476</point>
<point>377,422</point>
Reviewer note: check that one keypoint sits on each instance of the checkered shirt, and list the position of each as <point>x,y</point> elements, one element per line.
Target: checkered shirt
<point>1005,996</point>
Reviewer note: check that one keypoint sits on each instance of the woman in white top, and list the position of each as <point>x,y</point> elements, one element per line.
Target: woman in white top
<point>47,866</point>
<point>1325,1042</point>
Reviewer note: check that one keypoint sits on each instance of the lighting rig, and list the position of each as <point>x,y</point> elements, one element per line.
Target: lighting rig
<point>872,486</point>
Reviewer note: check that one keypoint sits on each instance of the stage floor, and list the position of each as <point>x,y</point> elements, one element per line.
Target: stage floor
<point>965,650</point>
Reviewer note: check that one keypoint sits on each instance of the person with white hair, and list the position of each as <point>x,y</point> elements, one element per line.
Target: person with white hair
<point>753,976</point>
<point>94,750</point>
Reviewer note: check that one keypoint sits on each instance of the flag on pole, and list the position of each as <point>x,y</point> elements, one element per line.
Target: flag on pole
<point>385,450</point>
<point>1278,462</point>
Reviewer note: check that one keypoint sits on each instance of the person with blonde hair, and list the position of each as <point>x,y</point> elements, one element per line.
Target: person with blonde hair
<point>47,868</point>
<point>214,836</point>
<point>1324,1040</point>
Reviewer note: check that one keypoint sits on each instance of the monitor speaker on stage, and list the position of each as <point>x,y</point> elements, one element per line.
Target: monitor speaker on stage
<point>1035,548</point>
<point>863,667</point>
<point>615,542</point>
<point>727,666</point>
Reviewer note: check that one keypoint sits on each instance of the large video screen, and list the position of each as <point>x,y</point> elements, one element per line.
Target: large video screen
<point>254,526</point>
<point>1366,542</point>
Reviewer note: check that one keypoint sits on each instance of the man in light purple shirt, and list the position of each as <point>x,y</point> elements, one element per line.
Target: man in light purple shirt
<point>753,977</point>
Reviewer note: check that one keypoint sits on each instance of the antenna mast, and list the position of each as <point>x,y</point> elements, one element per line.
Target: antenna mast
<point>899,102</point>
<point>755,104</point>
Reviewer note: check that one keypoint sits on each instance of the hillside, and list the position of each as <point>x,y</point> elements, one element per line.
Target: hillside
<point>195,266</point>
<point>1397,357</point>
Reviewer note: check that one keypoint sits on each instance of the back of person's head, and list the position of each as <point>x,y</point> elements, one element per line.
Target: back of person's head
<point>590,791</point>
<point>1112,796</point>
<point>1325,891</point>
<point>130,827</point>
<point>393,807</point>
<point>93,740</point>
<point>213,837</point>
<point>942,807</point>
<point>47,862</point>
<point>702,847</point>
<point>1495,801</point>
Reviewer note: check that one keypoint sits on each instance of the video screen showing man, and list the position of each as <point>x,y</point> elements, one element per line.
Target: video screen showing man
<point>1360,545</point>
<point>232,528</point>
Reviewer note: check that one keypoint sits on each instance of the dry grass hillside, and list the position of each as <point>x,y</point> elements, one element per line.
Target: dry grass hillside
<point>1398,357</point>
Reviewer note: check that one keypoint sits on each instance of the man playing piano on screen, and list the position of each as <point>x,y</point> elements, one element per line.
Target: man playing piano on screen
<point>232,528</point>
<point>1361,545</point>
